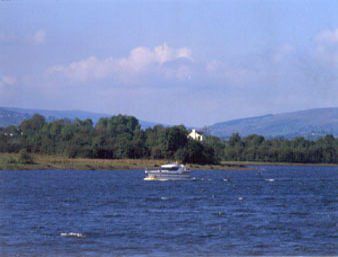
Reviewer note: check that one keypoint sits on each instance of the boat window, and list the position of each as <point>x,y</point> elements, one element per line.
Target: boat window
<point>170,168</point>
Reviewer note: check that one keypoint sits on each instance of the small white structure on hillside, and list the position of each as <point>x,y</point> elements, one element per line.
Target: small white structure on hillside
<point>196,135</point>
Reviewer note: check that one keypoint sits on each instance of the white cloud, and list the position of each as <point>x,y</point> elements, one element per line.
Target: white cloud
<point>141,57</point>
<point>141,60</point>
<point>87,69</point>
<point>39,37</point>
<point>163,53</point>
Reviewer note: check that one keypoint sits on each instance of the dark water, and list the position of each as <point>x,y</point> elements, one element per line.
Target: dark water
<point>270,211</point>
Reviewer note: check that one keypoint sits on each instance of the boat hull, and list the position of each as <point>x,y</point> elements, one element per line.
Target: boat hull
<point>166,177</point>
<point>168,172</point>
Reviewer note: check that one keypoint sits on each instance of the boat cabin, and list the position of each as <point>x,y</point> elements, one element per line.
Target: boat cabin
<point>172,167</point>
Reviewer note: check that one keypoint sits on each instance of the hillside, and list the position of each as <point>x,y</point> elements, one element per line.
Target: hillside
<point>311,123</point>
<point>14,116</point>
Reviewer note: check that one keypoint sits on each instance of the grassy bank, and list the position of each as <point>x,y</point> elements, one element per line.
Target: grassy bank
<point>250,163</point>
<point>54,162</point>
<point>50,162</point>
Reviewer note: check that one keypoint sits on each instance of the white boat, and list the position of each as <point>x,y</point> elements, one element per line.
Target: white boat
<point>166,172</point>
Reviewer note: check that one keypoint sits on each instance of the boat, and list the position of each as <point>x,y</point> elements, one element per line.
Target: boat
<point>172,171</point>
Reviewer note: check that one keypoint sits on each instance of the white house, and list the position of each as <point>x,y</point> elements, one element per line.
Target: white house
<point>196,135</point>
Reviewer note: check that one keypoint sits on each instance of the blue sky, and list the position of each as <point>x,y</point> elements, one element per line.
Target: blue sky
<point>173,62</point>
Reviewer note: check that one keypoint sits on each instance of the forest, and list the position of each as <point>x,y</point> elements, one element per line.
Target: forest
<point>121,137</point>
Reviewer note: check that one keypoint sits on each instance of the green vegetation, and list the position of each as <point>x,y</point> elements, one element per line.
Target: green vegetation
<point>299,150</point>
<point>121,137</point>
<point>10,161</point>
<point>25,157</point>
<point>118,137</point>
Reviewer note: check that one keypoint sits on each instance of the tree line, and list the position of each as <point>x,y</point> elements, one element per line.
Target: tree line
<point>121,136</point>
<point>117,137</point>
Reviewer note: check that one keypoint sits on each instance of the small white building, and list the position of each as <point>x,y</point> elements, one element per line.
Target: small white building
<point>196,135</point>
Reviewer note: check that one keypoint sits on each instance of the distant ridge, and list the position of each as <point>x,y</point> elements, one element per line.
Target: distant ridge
<point>311,123</point>
<point>14,116</point>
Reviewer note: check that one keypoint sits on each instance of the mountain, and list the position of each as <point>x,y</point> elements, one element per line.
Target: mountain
<point>14,116</point>
<point>311,123</point>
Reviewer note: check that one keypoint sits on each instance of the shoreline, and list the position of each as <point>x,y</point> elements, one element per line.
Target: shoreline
<point>9,161</point>
<point>253,163</point>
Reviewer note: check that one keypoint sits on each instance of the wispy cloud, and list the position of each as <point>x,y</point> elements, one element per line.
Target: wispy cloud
<point>86,69</point>
<point>39,37</point>
<point>7,80</point>
<point>282,52</point>
<point>161,60</point>
<point>236,75</point>
<point>327,47</point>
<point>36,38</point>
<point>8,38</point>
<point>328,36</point>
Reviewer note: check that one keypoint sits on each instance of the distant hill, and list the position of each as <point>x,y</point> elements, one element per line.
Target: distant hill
<point>14,116</point>
<point>311,124</point>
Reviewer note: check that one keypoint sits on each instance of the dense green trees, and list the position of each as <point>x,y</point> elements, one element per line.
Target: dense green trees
<point>116,137</point>
<point>257,148</point>
<point>122,137</point>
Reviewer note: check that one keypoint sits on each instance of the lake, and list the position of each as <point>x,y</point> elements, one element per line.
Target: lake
<point>269,210</point>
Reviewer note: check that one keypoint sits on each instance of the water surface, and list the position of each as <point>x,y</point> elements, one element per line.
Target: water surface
<point>267,211</point>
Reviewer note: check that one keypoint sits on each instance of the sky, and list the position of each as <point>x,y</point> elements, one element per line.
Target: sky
<point>184,62</point>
